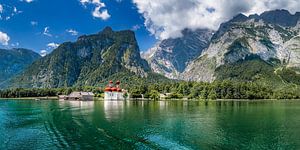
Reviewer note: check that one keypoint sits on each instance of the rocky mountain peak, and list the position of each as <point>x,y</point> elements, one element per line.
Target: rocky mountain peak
<point>239,18</point>
<point>278,17</point>
<point>269,40</point>
<point>107,30</point>
<point>170,56</point>
<point>89,60</point>
<point>281,17</point>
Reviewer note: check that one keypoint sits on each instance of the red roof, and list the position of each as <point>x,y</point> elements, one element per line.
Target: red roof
<point>107,89</point>
<point>114,89</point>
<point>119,90</point>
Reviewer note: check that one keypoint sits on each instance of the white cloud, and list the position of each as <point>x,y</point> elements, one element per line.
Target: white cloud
<point>84,2</point>
<point>15,11</point>
<point>15,44</point>
<point>46,32</point>
<point>136,27</point>
<point>1,8</point>
<point>10,12</point>
<point>96,2</point>
<point>52,45</point>
<point>27,1</point>
<point>97,13</point>
<point>166,18</point>
<point>99,10</point>
<point>72,32</point>
<point>43,53</point>
<point>4,38</point>
<point>34,23</point>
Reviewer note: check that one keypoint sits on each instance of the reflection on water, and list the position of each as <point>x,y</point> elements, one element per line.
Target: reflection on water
<point>113,109</point>
<point>81,104</point>
<point>149,125</point>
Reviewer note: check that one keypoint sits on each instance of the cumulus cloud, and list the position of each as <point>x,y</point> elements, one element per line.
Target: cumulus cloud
<point>4,38</point>
<point>52,45</point>
<point>167,18</point>
<point>72,32</point>
<point>99,10</point>
<point>101,14</point>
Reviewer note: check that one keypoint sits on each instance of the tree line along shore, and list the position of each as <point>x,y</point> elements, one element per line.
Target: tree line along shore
<point>176,90</point>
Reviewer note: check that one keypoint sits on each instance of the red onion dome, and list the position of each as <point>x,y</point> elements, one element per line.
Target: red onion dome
<point>107,89</point>
<point>114,89</point>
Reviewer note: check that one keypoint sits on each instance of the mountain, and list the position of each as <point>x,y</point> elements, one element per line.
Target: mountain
<point>262,47</point>
<point>14,61</point>
<point>91,60</point>
<point>170,56</point>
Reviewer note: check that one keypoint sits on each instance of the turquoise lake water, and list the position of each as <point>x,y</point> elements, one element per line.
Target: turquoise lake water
<point>30,124</point>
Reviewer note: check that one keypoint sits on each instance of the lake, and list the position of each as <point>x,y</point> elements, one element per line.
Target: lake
<point>30,124</point>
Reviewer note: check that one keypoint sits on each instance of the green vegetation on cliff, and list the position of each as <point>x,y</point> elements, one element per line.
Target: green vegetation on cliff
<point>89,61</point>
<point>14,61</point>
<point>176,90</point>
<point>254,69</point>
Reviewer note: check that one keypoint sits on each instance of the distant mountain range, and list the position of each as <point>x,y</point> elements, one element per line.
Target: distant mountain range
<point>263,48</point>
<point>250,48</point>
<point>14,61</point>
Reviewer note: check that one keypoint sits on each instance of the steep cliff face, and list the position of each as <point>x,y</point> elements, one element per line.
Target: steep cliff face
<point>88,61</point>
<point>14,61</point>
<point>171,56</point>
<point>271,38</point>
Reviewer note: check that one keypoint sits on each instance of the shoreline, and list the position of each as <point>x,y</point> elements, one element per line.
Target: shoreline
<point>200,100</point>
<point>31,98</point>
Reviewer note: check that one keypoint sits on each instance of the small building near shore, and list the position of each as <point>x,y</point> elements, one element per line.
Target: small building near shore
<point>80,96</point>
<point>62,97</point>
<point>164,96</point>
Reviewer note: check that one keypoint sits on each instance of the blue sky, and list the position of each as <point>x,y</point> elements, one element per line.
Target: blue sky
<point>43,24</point>
<point>36,24</point>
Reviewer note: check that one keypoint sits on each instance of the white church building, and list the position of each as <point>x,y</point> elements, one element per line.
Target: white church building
<point>112,92</point>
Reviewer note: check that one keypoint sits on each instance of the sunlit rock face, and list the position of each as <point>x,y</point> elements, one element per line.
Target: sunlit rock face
<point>272,36</point>
<point>170,57</point>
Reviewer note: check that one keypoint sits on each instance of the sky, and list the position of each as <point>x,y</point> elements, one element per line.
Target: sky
<point>41,25</point>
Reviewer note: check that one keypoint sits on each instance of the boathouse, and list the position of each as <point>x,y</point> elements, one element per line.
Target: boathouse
<point>80,96</point>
